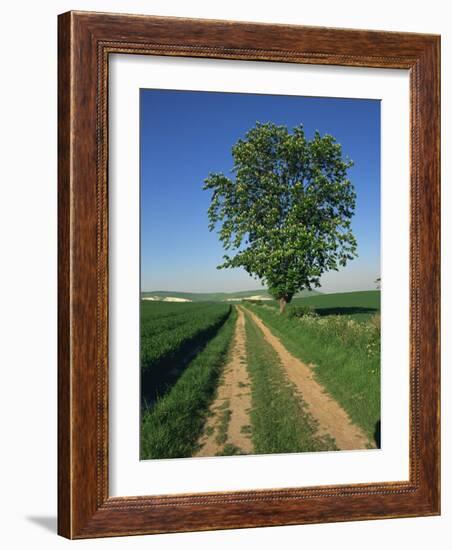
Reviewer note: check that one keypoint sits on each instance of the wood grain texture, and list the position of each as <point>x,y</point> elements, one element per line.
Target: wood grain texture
<point>64,295</point>
<point>85,42</point>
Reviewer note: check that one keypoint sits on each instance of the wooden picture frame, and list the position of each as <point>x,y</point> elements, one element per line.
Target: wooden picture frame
<point>85,42</point>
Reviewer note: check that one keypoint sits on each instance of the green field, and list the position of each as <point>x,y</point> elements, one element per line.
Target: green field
<point>171,335</point>
<point>360,305</point>
<point>171,427</point>
<point>342,342</point>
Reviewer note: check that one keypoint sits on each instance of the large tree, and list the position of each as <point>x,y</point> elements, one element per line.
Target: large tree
<point>285,214</point>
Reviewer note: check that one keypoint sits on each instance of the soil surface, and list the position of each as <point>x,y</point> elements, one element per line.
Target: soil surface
<point>228,424</point>
<point>331,417</point>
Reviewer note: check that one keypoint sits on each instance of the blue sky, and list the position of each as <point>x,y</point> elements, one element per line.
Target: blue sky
<point>186,135</point>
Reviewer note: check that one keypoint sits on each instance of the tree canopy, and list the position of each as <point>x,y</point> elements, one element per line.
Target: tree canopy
<point>285,215</point>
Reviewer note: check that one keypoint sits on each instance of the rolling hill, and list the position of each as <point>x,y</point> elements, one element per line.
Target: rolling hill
<point>169,295</point>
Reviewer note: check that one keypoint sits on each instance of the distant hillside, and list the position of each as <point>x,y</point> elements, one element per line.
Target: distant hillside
<point>175,296</point>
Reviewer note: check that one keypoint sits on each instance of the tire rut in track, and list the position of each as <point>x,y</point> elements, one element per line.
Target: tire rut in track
<point>229,421</point>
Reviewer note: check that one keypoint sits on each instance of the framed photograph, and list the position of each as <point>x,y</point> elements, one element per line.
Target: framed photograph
<point>248,275</point>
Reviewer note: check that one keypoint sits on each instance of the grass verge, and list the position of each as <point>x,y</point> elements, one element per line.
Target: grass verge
<point>171,429</point>
<point>346,359</point>
<point>280,422</point>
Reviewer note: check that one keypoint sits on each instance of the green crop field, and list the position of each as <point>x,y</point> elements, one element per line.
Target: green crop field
<point>171,334</point>
<point>357,305</point>
<point>170,429</point>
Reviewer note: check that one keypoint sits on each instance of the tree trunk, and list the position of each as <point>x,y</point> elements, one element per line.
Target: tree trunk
<point>282,304</point>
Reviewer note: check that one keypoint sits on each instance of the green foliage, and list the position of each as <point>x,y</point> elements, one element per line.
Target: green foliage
<point>300,311</point>
<point>286,215</point>
<point>280,422</point>
<point>172,427</point>
<point>345,354</point>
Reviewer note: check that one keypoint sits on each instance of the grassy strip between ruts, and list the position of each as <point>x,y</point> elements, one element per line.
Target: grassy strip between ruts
<point>280,422</point>
<point>171,429</point>
<point>346,359</point>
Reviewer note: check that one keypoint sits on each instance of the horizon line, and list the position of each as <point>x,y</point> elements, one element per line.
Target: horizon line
<point>255,290</point>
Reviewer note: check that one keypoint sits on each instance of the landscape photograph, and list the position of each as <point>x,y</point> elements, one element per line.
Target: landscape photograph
<point>260,274</point>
